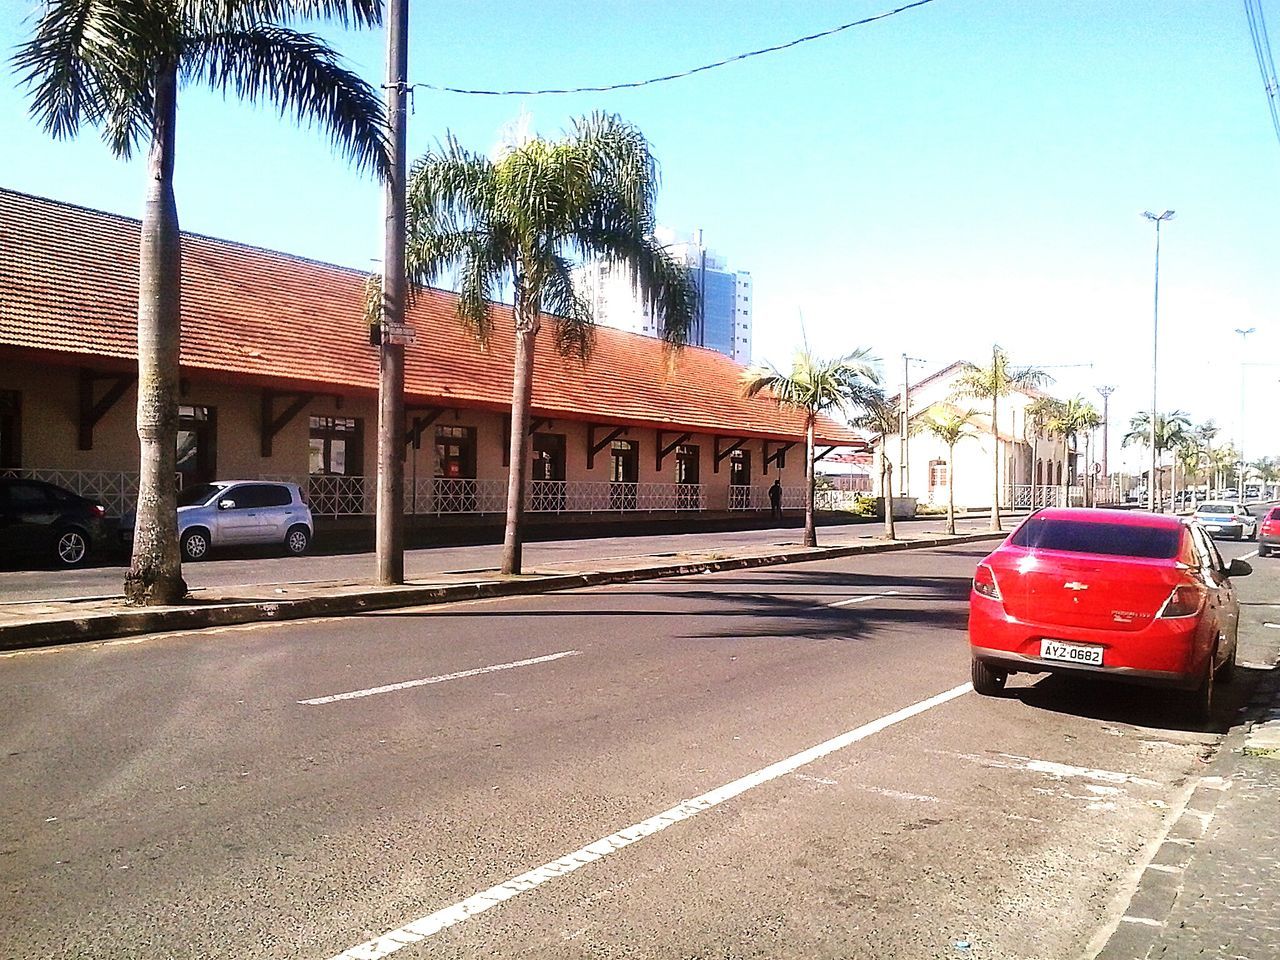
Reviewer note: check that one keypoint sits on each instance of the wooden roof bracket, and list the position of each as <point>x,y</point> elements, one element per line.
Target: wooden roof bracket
<point>92,411</point>
<point>272,423</point>
<point>414,433</point>
<point>722,454</point>
<point>824,454</point>
<point>664,452</point>
<point>595,446</point>
<point>778,454</point>
<point>535,424</point>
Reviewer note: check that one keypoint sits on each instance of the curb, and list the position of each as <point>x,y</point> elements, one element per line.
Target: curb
<point>133,622</point>
<point>1161,883</point>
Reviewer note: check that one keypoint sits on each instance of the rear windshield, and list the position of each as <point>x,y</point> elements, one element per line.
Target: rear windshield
<point>1114,539</point>
<point>1274,514</point>
<point>1217,508</point>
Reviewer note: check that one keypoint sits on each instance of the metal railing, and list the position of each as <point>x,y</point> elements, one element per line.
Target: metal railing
<point>115,489</point>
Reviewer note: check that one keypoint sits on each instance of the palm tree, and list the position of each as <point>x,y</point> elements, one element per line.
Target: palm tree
<point>991,383</point>
<point>118,65</point>
<point>882,417</point>
<point>1073,417</point>
<point>519,217</point>
<point>1267,470</point>
<point>950,428</point>
<point>1171,429</point>
<point>843,385</point>
<point>1037,419</point>
<point>1221,461</point>
<point>1189,455</point>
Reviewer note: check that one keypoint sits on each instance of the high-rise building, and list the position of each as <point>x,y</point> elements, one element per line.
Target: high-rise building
<point>723,321</point>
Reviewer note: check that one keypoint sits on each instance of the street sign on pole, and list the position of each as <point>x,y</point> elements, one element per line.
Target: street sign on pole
<point>400,333</point>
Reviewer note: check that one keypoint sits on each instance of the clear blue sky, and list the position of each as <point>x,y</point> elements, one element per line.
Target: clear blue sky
<point>963,173</point>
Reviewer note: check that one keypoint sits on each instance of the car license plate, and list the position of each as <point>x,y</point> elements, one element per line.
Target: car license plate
<point>1071,652</point>
<point>1213,528</point>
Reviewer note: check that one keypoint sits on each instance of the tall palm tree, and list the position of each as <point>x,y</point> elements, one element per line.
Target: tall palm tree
<point>1171,429</point>
<point>950,428</point>
<point>1189,455</point>
<point>1038,417</point>
<point>118,65</point>
<point>1267,470</point>
<point>844,385</point>
<point>993,382</point>
<point>520,217</point>
<point>1221,462</point>
<point>1073,417</point>
<point>882,417</point>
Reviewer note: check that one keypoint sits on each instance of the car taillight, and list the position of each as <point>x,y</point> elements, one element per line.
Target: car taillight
<point>99,510</point>
<point>984,582</point>
<point>1185,601</point>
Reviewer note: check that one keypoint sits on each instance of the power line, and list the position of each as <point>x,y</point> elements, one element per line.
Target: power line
<point>440,88</point>
<point>1266,64</point>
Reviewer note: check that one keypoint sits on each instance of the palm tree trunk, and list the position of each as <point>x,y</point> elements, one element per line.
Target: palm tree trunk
<point>995,473</point>
<point>526,311</point>
<point>810,479</point>
<point>951,488</point>
<point>886,488</point>
<point>155,574</point>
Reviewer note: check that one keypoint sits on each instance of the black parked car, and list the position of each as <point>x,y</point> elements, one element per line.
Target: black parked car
<point>46,522</point>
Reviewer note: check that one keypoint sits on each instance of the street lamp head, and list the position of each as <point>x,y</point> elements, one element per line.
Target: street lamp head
<point>1167,215</point>
<point>1245,333</point>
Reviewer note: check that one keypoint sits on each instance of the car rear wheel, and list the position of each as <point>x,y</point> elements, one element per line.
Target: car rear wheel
<point>1264,550</point>
<point>1200,700</point>
<point>297,540</point>
<point>1227,671</point>
<point>987,680</point>
<point>72,547</point>
<point>195,544</point>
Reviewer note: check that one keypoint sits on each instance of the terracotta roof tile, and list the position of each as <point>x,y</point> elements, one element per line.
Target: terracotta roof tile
<point>68,284</point>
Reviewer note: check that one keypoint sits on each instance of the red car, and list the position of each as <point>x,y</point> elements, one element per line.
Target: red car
<point>1269,533</point>
<point>1136,596</point>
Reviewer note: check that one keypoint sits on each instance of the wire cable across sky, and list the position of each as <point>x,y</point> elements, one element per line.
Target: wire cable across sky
<point>604,88</point>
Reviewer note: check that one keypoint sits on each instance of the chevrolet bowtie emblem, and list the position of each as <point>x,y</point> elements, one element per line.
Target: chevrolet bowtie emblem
<point>1075,585</point>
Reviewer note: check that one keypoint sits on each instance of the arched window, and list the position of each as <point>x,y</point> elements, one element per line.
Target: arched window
<point>1059,481</point>
<point>1039,473</point>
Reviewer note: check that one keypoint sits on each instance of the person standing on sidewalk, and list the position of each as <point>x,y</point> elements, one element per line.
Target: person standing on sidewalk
<point>775,499</point>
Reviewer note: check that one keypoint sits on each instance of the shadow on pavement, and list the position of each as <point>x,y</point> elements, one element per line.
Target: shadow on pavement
<point>1141,706</point>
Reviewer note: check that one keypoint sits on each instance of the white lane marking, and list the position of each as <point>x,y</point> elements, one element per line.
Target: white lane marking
<point>808,779</point>
<point>1164,868</point>
<point>1009,761</point>
<point>1250,556</point>
<point>406,684</point>
<point>852,600</point>
<point>903,795</point>
<point>1273,626</point>
<point>1145,921</point>
<point>433,923</point>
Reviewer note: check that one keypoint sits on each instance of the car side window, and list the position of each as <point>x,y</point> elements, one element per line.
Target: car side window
<point>27,496</point>
<point>1204,550</point>
<point>274,495</point>
<point>243,497</point>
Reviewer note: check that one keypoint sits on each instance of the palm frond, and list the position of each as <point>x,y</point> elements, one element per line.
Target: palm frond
<point>300,73</point>
<point>571,312</point>
<point>217,16</point>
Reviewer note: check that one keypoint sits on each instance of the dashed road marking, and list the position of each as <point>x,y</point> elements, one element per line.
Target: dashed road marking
<point>1145,921</point>
<point>433,923</point>
<point>871,596</point>
<point>424,681</point>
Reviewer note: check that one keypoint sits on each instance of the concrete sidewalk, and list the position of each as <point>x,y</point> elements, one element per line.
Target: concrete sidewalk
<point>41,623</point>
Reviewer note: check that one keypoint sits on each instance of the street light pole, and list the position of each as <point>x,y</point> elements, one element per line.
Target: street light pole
<point>1152,501</point>
<point>389,509</point>
<point>904,422</point>
<point>1244,349</point>
<point>1105,392</point>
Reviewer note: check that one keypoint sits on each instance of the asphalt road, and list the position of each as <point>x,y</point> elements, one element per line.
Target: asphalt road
<point>264,566</point>
<point>177,797</point>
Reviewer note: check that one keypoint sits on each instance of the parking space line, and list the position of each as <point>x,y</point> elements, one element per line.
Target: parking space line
<point>852,600</point>
<point>433,923</point>
<point>407,684</point>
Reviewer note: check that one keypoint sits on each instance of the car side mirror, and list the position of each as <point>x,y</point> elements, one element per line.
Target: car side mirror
<point>1239,568</point>
<point>226,504</point>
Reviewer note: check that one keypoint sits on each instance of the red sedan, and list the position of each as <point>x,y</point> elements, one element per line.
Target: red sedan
<point>1131,595</point>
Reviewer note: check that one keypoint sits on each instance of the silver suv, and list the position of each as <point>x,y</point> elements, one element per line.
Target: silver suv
<point>232,512</point>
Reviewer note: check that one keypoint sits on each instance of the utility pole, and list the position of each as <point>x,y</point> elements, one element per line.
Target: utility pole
<point>389,522</point>
<point>1152,502</point>
<point>1244,352</point>
<point>1105,392</point>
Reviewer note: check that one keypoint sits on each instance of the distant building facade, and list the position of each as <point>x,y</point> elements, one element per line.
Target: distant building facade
<point>724,320</point>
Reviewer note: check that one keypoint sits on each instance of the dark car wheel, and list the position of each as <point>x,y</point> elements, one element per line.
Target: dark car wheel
<point>1200,700</point>
<point>987,681</point>
<point>1264,550</point>
<point>72,547</point>
<point>297,540</point>
<point>195,544</point>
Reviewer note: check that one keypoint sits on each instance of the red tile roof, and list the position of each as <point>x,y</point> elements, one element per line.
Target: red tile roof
<point>69,287</point>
